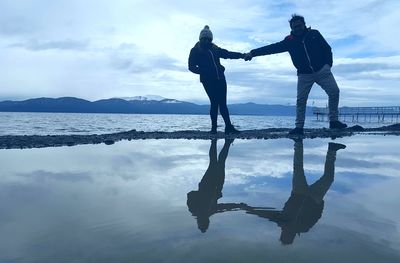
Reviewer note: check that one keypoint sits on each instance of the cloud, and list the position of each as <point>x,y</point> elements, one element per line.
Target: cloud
<point>132,59</point>
<point>364,67</point>
<point>15,26</point>
<point>68,44</point>
<point>127,47</point>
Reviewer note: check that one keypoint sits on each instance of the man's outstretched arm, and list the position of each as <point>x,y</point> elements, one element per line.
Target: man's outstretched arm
<point>275,48</point>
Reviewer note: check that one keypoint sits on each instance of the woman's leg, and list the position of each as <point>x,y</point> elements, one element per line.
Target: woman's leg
<point>223,108</point>
<point>210,88</point>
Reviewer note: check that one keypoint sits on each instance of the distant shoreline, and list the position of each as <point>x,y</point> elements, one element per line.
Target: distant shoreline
<point>122,106</point>
<point>40,141</point>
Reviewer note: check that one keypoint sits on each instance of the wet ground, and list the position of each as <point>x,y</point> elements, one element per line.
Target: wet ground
<point>40,141</point>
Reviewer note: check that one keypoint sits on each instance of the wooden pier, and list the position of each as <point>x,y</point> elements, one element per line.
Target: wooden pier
<point>356,114</point>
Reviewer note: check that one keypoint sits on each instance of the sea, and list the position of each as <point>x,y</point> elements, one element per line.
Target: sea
<point>30,123</point>
<point>176,200</point>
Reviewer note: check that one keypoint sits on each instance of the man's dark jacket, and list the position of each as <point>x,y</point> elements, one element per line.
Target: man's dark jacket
<point>206,61</point>
<point>309,52</point>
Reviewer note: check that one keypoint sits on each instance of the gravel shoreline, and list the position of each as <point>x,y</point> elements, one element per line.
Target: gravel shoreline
<point>40,141</point>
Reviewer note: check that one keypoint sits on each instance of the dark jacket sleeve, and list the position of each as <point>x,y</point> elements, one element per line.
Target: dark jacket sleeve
<point>278,47</point>
<point>223,53</point>
<point>192,63</point>
<point>326,47</point>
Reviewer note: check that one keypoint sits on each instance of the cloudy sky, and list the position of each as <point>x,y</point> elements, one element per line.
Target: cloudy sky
<point>96,49</point>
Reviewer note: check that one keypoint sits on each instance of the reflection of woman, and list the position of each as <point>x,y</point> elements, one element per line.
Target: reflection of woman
<point>203,203</point>
<point>304,207</point>
<point>204,60</point>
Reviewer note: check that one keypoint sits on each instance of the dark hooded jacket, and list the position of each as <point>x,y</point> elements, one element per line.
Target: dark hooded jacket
<point>206,61</point>
<point>301,213</point>
<point>309,52</point>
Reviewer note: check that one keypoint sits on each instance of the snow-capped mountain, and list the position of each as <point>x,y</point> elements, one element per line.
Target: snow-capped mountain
<point>143,98</point>
<point>138,105</point>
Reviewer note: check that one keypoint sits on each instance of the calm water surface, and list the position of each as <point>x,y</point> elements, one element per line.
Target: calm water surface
<point>203,201</point>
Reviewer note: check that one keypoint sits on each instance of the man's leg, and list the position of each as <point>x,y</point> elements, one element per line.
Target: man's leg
<point>299,181</point>
<point>328,83</point>
<point>322,185</point>
<point>304,84</point>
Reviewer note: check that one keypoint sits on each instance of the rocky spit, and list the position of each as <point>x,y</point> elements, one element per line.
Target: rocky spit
<point>40,141</point>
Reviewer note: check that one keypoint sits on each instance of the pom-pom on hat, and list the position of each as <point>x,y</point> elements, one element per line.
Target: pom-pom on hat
<point>206,33</point>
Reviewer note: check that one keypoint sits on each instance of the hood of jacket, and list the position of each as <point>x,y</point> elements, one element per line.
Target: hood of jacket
<point>306,30</point>
<point>198,46</point>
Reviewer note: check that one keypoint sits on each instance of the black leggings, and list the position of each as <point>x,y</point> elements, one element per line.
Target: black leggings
<point>216,91</point>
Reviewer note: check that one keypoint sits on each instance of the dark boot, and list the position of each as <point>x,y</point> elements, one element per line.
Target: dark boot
<point>231,130</point>
<point>297,131</point>
<point>335,146</point>
<point>213,130</point>
<point>337,125</point>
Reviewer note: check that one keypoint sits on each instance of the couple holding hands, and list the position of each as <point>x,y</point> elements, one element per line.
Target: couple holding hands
<point>310,54</point>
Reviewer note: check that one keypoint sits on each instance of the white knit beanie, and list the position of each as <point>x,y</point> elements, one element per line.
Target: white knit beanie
<point>206,32</point>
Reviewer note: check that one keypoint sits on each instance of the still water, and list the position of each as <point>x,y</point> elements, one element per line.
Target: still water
<point>203,201</point>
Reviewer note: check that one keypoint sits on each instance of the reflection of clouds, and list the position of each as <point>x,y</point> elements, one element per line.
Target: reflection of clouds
<point>121,214</point>
<point>368,207</point>
<point>243,174</point>
<point>356,163</point>
<point>258,158</point>
<point>378,156</point>
<point>42,176</point>
<point>370,210</point>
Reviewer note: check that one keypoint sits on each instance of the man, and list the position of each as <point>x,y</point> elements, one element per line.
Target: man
<point>312,57</point>
<point>204,60</point>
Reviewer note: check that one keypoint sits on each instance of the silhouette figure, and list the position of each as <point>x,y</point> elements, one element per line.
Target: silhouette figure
<point>312,57</point>
<point>203,203</point>
<point>204,59</point>
<point>304,207</point>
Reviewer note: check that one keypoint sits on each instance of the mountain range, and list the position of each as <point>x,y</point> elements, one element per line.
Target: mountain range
<point>138,105</point>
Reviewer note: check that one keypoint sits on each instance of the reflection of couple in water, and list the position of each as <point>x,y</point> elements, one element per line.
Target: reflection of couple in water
<point>301,211</point>
<point>203,203</point>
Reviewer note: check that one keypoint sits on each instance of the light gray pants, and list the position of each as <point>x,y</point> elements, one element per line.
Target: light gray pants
<point>323,78</point>
<point>318,189</point>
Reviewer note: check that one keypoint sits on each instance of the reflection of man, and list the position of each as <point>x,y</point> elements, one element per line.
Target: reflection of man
<point>203,203</point>
<point>304,207</point>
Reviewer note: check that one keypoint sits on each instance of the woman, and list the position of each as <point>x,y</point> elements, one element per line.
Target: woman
<point>204,60</point>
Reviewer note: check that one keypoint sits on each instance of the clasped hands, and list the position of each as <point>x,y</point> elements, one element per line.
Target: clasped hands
<point>247,56</point>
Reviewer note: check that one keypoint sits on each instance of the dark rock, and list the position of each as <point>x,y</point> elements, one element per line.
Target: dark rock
<point>109,142</point>
<point>394,127</point>
<point>37,141</point>
<point>356,128</point>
